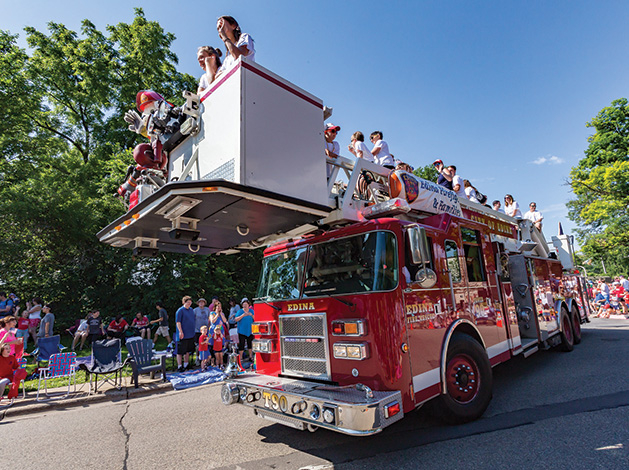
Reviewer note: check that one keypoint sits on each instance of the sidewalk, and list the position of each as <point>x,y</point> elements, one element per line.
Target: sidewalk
<point>106,392</point>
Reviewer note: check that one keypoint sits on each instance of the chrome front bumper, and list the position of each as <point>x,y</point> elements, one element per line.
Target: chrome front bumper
<point>306,405</point>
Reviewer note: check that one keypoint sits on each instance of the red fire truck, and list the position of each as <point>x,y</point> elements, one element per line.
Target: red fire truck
<point>378,293</point>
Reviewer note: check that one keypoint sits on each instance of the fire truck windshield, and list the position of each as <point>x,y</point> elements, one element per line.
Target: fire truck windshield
<point>361,263</point>
<point>281,276</point>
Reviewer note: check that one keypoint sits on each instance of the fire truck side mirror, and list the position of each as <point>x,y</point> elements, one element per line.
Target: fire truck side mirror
<point>418,245</point>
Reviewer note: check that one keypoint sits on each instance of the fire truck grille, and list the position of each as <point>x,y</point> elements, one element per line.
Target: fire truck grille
<point>316,369</point>
<point>304,348</point>
<point>303,325</point>
<point>294,349</point>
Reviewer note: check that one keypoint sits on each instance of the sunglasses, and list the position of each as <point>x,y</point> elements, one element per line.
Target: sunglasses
<point>332,131</point>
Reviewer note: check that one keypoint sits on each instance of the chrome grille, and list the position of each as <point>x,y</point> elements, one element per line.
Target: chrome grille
<point>303,345</point>
<point>310,368</point>
<point>302,325</point>
<point>294,349</point>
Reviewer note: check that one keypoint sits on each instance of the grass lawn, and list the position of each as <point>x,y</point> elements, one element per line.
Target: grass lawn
<point>66,340</point>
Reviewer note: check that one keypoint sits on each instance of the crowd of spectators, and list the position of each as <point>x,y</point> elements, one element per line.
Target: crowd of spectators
<point>610,300</point>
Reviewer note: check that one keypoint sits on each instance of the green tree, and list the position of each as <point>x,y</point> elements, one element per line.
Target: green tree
<point>600,183</point>
<point>64,149</point>
<point>427,172</point>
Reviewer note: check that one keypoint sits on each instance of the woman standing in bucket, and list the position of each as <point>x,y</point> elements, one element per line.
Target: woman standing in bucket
<point>236,42</point>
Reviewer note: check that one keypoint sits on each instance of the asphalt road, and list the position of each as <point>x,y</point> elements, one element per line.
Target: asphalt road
<point>553,410</point>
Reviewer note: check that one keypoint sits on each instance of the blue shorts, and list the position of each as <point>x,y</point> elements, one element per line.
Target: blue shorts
<point>203,355</point>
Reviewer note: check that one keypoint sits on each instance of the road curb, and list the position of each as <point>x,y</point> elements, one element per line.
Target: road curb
<point>111,395</point>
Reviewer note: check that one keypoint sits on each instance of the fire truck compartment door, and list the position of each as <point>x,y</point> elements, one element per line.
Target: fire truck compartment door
<point>523,297</point>
<point>225,215</point>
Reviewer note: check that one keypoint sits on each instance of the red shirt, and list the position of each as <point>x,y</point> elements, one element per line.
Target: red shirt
<point>7,366</point>
<point>203,339</point>
<point>22,323</point>
<point>118,327</point>
<point>141,322</point>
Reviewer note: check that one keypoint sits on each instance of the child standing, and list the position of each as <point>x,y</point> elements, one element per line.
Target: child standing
<point>22,327</point>
<point>218,345</point>
<point>204,353</point>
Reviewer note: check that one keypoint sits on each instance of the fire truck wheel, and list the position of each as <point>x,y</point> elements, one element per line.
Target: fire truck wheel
<point>468,381</point>
<point>576,324</point>
<point>567,338</point>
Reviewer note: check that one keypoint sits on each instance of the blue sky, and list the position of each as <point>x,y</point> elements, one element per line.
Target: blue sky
<point>502,89</point>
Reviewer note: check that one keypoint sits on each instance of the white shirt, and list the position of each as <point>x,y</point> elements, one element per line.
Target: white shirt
<point>513,210</point>
<point>625,284</point>
<point>533,216</point>
<point>244,40</point>
<point>461,192</point>
<point>471,194</point>
<point>367,155</point>
<point>333,147</point>
<point>383,157</point>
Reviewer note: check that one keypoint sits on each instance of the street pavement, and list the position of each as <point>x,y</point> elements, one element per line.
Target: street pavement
<point>552,410</point>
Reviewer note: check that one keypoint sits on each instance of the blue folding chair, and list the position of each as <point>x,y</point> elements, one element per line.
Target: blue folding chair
<point>107,365</point>
<point>46,347</point>
<point>141,357</point>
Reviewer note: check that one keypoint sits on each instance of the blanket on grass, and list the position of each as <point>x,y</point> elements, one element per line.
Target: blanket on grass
<point>192,378</point>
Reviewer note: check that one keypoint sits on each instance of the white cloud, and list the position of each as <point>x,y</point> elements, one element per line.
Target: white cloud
<point>551,160</point>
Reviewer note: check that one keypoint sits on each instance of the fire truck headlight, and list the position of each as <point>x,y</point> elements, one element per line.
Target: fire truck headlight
<point>262,345</point>
<point>351,351</point>
<point>340,351</point>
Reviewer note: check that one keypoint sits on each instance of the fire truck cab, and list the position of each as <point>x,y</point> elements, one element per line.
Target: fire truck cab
<point>377,293</point>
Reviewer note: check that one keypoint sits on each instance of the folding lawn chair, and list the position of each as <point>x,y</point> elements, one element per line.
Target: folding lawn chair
<point>141,356</point>
<point>107,363</point>
<point>46,347</point>
<point>59,365</point>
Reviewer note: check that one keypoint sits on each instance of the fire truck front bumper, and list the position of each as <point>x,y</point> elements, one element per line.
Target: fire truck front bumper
<point>354,410</point>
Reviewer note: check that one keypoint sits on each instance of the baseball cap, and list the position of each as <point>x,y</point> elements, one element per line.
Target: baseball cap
<point>329,126</point>
<point>437,161</point>
<point>201,300</point>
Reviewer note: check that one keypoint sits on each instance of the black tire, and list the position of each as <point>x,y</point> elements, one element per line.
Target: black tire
<point>576,323</point>
<point>567,337</point>
<point>468,381</point>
